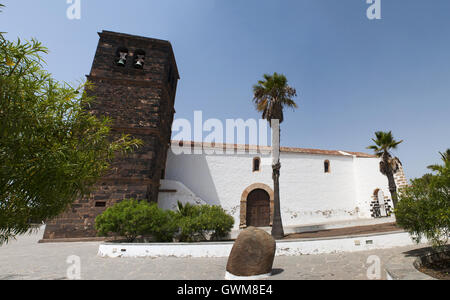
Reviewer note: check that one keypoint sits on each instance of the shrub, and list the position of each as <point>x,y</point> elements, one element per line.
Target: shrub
<point>199,222</point>
<point>133,218</point>
<point>424,207</point>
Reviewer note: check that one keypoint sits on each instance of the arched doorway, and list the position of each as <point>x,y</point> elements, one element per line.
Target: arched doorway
<point>381,203</point>
<point>244,204</point>
<point>258,208</point>
<point>380,206</point>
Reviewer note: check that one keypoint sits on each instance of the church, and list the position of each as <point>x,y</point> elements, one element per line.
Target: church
<point>316,186</point>
<point>135,80</point>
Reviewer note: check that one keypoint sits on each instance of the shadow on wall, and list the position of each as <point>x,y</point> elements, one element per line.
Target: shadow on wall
<point>193,171</point>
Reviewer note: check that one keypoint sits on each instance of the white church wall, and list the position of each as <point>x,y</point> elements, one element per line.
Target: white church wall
<point>216,179</point>
<point>172,192</point>
<point>368,180</point>
<point>308,194</point>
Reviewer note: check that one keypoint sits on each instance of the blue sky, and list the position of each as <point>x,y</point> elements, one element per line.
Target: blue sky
<point>354,76</point>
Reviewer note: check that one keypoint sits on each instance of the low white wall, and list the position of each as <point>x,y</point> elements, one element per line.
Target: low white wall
<point>284,248</point>
<point>351,244</point>
<point>165,250</point>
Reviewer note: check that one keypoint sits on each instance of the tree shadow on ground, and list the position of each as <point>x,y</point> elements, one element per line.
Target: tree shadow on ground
<point>423,251</point>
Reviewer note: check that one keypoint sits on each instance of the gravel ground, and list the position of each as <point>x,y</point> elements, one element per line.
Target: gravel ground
<point>26,259</point>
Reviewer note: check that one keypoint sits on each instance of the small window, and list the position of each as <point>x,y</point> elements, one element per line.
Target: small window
<point>139,59</point>
<point>256,164</point>
<point>100,204</point>
<point>327,166</point>
<point>121,57</point>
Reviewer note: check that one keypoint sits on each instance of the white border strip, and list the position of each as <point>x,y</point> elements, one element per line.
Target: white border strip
<point>284,248</point>
<point>229,276</point>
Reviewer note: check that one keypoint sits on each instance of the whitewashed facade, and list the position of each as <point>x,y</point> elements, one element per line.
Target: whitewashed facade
<point>308,194</point>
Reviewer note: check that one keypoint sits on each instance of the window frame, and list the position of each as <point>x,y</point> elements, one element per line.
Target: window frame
<point>327,166</point>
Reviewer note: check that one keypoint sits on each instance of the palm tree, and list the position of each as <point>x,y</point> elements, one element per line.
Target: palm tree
<point>445,158</point>
<point>389,165</point>
<point>271,95</point>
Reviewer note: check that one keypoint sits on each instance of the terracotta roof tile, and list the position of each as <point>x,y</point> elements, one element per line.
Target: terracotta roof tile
<point>268,148</point>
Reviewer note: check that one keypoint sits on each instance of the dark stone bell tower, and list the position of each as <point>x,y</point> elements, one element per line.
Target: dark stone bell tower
<point>135,81</point>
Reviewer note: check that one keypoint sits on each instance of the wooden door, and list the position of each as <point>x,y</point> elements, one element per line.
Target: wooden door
<point>258,208</point>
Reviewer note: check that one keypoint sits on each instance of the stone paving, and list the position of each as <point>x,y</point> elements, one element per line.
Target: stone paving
<point>26,259</point>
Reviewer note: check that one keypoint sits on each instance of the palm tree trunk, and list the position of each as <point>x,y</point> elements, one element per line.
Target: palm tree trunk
<point>277,225</point>
<point>392,188</point>
<point>391,180</point>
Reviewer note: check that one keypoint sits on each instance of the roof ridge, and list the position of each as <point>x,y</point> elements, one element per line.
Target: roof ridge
<point>282,148</point>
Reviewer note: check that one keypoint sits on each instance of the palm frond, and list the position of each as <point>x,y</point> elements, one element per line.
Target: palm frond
<point>384,141</point>
<point>272,94</point>
<point>445,156</point>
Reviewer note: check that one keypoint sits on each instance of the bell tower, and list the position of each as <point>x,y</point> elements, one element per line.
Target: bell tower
<point>134,83</point>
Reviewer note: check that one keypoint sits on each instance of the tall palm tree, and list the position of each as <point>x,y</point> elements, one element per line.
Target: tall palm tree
<point>389,165</point>
<point>271,96</point>
<point>445,158</point>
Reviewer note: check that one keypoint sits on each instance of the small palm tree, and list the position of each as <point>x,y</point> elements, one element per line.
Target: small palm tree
<point>445,158</point>
<point>271,96</point>
<point>389,165</point>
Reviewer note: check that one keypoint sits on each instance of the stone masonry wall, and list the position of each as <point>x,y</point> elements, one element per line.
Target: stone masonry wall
<point>141,103</point>
<point>400,178</point>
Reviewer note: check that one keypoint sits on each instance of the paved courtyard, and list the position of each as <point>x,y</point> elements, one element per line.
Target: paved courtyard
<point>26,259</point>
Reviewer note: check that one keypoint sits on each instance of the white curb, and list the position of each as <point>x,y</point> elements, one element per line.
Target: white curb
<point>284,248</point>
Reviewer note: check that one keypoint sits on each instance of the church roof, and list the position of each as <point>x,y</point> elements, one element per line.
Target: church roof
<point>268,148</point>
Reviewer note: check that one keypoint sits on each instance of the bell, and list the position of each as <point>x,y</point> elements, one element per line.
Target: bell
<point>121,62</point>
<point>122,59</point>
<point>138,64</point>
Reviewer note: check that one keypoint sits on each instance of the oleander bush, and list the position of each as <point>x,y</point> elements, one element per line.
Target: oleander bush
<point>424,206</point>
<point>132,219</point>
<point>203,222</point>
<point>52,150</point>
